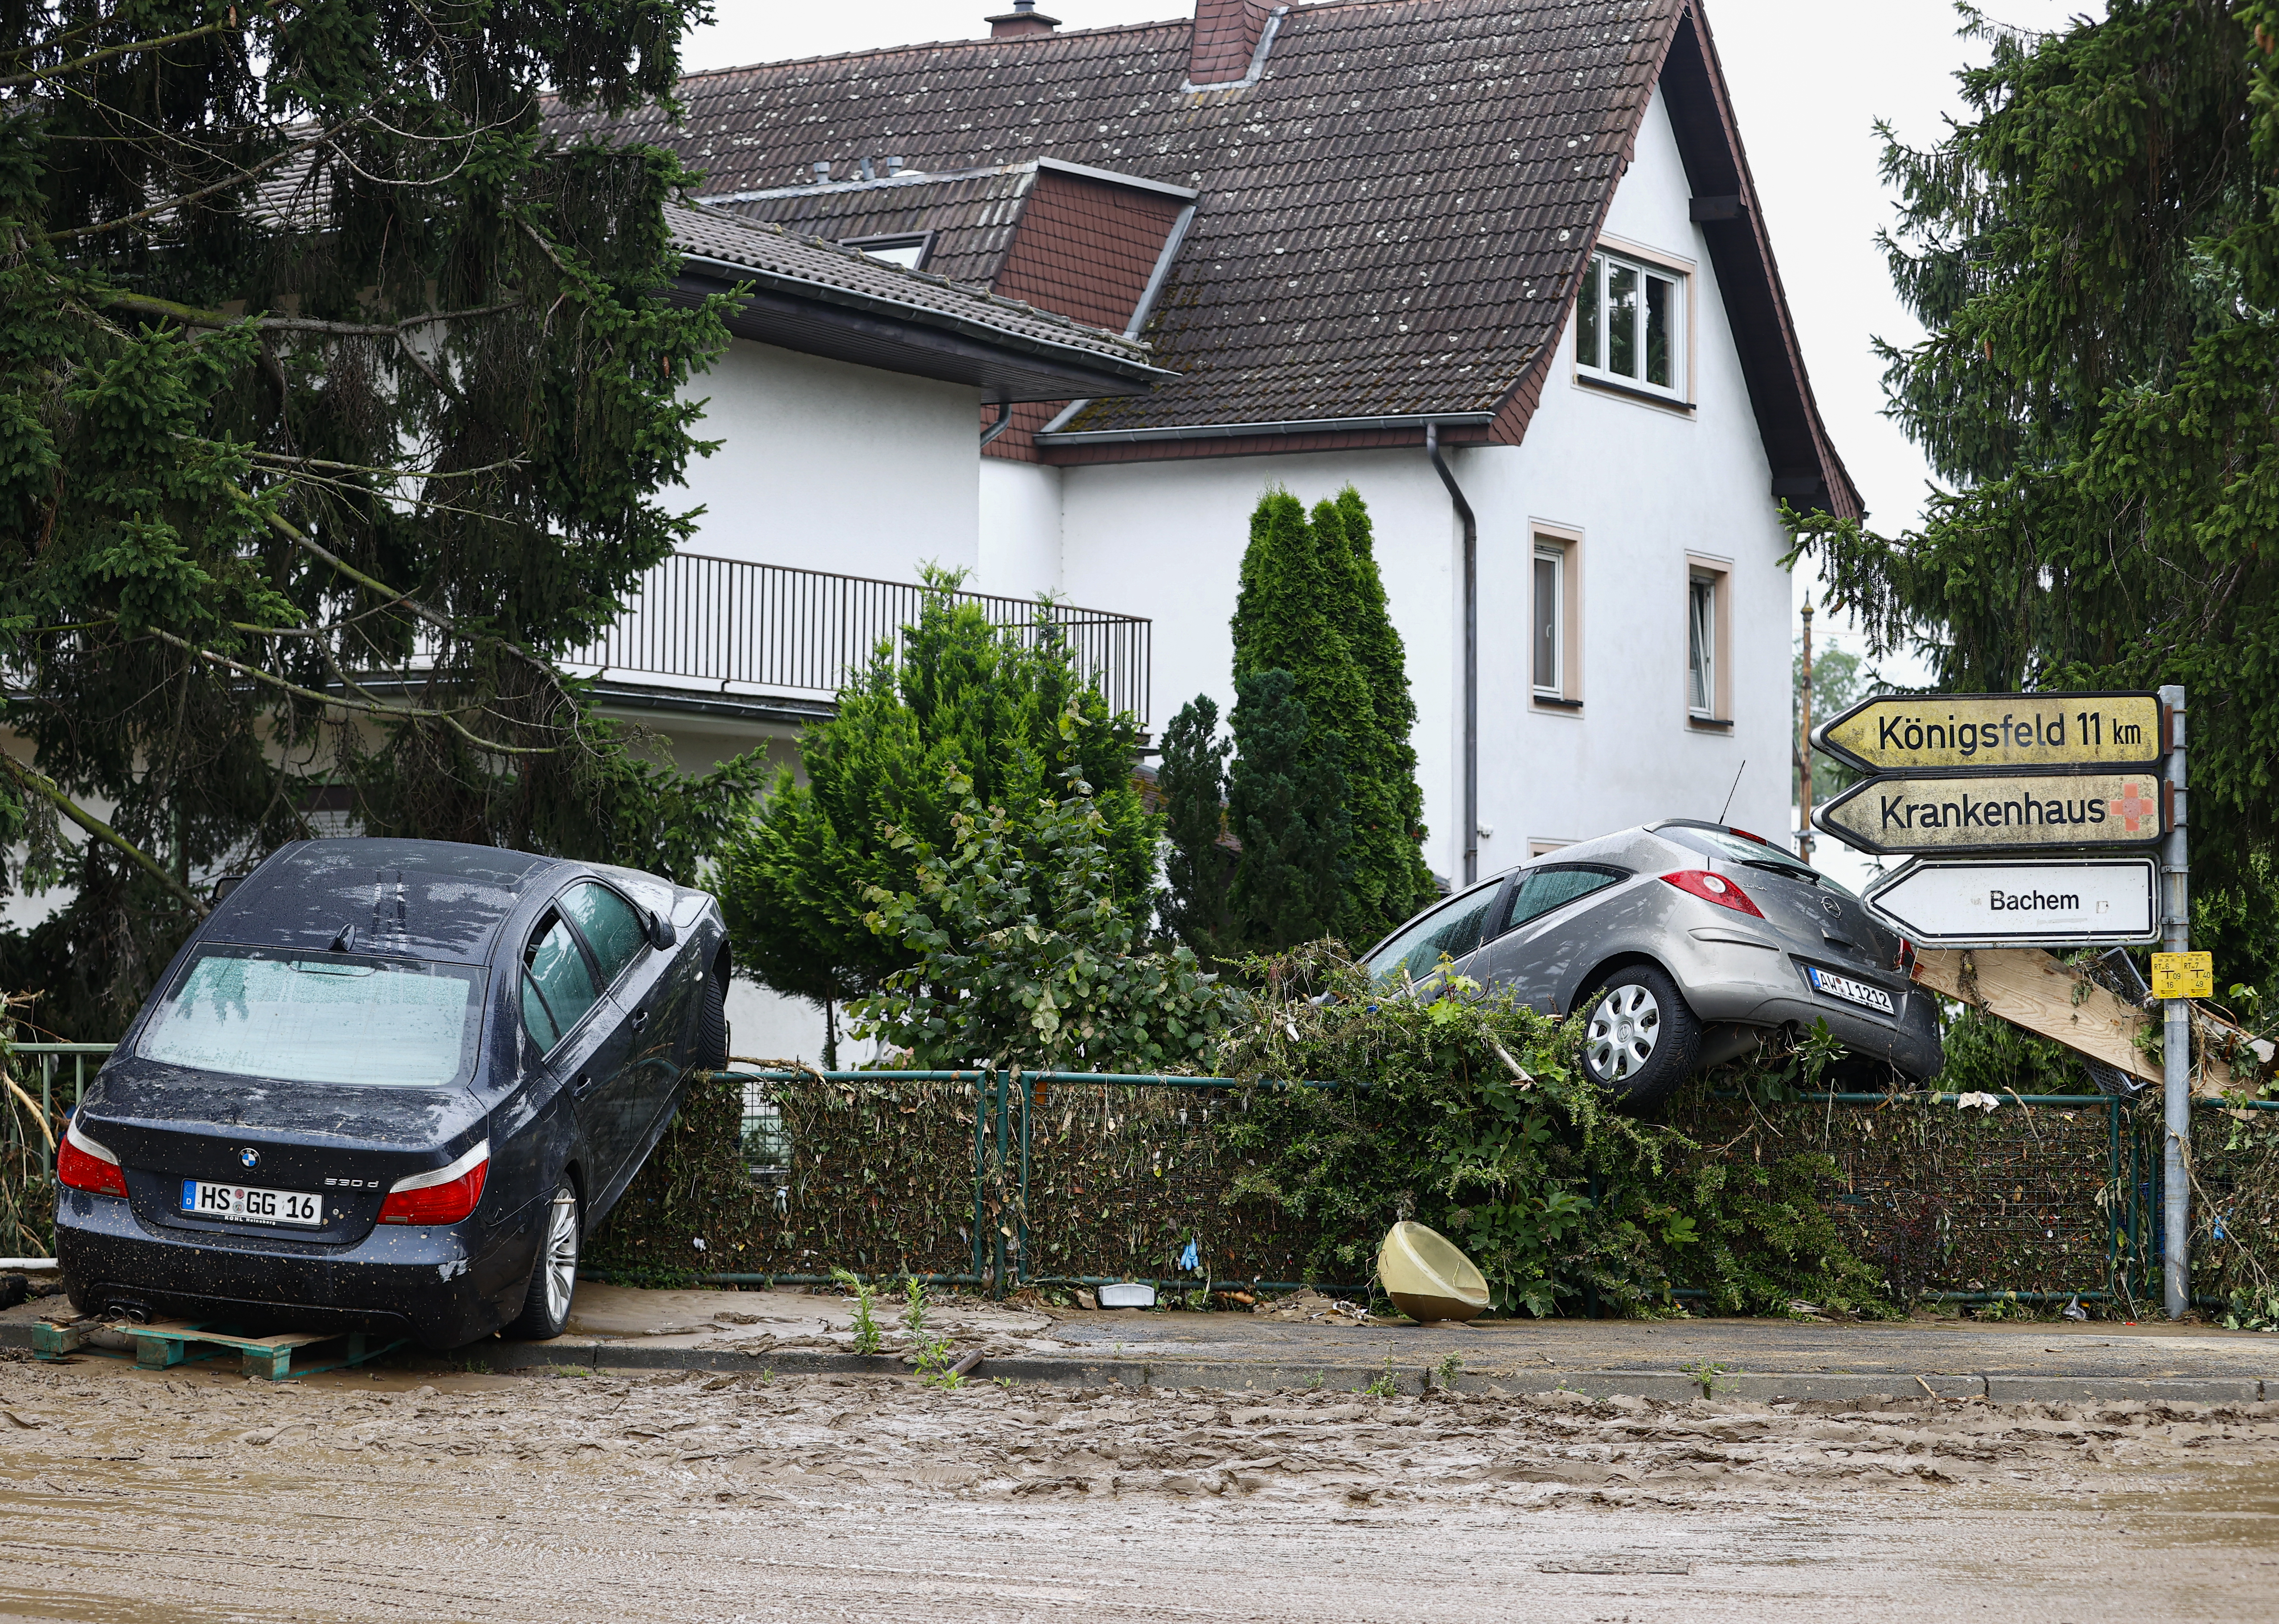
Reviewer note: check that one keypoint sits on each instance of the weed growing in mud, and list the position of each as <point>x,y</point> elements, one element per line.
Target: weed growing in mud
<point>934,1361</point>
<point>1445,1372</point>
<point>867,1336</point>
<point>1708,1373</point>
<point>1315,1386</point>
<point>914,1306</point>
<point>1386,1386</point>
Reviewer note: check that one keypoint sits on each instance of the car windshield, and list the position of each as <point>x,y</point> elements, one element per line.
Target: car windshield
<point>1739,849</point>
<point>334,1018</point>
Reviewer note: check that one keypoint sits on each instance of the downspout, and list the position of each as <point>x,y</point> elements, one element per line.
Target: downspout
<point>1004,421</point>
<point>1471,652</point>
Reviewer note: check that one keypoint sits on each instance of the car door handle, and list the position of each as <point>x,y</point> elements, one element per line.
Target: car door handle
<point>584,1083</point>
<point>640,1018</point>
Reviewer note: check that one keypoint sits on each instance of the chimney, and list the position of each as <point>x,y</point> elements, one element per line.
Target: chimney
<point>1022,21</point>
<point>1225,39</point>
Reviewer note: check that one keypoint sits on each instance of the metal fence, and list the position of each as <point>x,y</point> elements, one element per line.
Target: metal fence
<point>723,620</point>
<point>1064,1179</point>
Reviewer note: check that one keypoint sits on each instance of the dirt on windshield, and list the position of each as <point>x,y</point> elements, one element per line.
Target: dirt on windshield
<point>197,1494</point>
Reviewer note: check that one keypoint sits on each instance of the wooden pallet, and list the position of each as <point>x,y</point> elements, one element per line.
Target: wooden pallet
<point>167,1343</point>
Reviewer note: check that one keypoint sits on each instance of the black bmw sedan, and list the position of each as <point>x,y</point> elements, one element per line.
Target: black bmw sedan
<point>390,1085</point>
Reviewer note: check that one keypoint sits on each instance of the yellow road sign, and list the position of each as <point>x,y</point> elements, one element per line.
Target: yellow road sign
<point>2184,974</point>
<point>2015,812</point>
<point>1954,732</point>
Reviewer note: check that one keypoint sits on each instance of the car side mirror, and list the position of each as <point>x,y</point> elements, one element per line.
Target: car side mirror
<point>661,933</point>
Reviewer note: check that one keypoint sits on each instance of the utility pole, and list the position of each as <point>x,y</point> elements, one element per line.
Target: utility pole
<point>2177,1034</point>
<point>1804,750</point>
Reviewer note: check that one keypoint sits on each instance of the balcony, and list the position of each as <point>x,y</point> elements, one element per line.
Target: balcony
<point>749,636</point>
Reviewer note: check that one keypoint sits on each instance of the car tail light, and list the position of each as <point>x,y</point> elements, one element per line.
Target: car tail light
<point>83,1164</point>
<point>1746,835</point>
<point>1713,888</point>
<point>444,1196</point>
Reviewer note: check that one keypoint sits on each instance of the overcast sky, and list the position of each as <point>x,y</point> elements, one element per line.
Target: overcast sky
<point>1809,79</point>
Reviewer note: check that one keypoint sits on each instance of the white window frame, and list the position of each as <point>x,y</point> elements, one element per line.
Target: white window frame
<point>1594,327</point>
<point>1702,662</point>
<point>1547,552</point>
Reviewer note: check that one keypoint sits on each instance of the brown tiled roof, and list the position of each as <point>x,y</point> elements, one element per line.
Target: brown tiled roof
<point>784,260</point>
<point>1392,220</point>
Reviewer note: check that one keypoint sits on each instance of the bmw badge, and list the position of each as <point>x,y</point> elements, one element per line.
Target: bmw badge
<point>249,1158</point>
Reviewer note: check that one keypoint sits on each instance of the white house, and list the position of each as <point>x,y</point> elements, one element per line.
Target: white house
<point>1498,264</point>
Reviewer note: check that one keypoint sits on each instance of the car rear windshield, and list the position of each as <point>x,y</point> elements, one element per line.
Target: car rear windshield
<point>334,1018</point>
<point>1739,849</point>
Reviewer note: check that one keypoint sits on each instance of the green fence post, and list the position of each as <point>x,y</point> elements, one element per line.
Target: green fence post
<point>997,1228</point>
<point>980,1165</point>
<point>1021,1213</point>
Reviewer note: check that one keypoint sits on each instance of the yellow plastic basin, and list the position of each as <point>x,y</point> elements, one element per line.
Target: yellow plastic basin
<point>1427,1277</point>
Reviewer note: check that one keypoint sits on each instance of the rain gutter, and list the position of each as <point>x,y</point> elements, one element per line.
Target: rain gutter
<point>1471,652</point>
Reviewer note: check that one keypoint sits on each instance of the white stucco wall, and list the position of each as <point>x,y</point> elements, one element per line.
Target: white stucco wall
<point>1020,529</point>
<point>828,466</point>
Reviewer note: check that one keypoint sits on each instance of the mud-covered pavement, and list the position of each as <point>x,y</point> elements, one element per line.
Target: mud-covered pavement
<point>197,1494</point>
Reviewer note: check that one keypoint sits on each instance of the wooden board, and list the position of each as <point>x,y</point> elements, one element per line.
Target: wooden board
<point>2033,989</point>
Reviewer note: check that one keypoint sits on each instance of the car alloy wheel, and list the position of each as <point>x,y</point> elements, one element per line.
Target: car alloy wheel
<point>1622,1031</point>
<point>560,1259</point>
<point>554,1271</point>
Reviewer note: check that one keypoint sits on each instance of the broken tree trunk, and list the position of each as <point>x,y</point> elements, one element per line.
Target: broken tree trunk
<point>2031,989</point>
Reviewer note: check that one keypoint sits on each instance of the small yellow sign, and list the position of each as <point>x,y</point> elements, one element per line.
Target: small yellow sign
<point>2184,974</point>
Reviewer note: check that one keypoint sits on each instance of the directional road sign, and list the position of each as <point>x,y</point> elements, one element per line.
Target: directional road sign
<point>1954,732</point>
<point>1997,813</point>
<point>2050,903</point>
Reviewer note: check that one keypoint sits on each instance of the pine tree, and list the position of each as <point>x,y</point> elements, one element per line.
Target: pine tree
<point>2093,252</point>
<point>336,401</point>
<point>1391,880</point>
<point>1196,867</point>
<point>1286,801</point>
<point>1313,604</point>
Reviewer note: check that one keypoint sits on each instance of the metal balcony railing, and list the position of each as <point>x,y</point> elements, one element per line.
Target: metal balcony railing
<point>721,621</point>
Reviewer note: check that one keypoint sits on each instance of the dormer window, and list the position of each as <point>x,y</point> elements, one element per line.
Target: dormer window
<point>908,251</point>
<point>1629,326</point>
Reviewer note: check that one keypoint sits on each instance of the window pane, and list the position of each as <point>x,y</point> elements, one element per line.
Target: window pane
<point>1700,640</point>
<point>613,931</point>
<point>1545,889</point>
<point>1547,614</point>
<point>1660,294</point>
<point>324,1018</point>
<point>1454,930</point>
<point>559,970</point>
<point>1621,319</point>
<point>1586,317</point>
<point>535,1018</point>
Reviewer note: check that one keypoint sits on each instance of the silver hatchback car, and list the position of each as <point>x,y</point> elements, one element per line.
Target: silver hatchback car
<point>1685,944</point>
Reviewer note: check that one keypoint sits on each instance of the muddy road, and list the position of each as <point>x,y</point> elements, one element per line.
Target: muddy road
<point>198,1495</point>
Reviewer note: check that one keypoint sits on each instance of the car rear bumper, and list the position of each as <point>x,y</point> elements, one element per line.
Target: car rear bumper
<point>428,1284</point>
<point>1742,977</point>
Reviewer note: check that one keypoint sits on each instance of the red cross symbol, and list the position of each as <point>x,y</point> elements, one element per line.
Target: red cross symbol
<point>2133,807</point>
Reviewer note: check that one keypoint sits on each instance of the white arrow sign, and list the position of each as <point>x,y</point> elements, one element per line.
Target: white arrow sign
<point>2094,902</point>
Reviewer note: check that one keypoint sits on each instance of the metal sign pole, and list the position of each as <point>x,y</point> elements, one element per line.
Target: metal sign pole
<point>2176,1039</point>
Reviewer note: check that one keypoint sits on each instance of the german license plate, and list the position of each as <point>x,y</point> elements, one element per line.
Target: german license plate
<point>239,1204</point>
<point>1849,990</point>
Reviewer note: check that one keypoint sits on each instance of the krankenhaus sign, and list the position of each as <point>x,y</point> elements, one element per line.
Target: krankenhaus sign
<point>1993,732</point>
<point>2005,812</point>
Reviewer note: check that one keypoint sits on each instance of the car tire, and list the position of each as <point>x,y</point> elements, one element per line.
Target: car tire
<point>1640,1037</point>
<point>712,1026</point>
<point>553,1273</point>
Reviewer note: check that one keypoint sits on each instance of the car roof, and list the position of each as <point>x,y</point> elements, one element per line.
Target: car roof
<point>414,899</point>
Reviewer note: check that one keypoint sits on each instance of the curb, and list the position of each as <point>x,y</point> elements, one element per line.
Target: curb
<point>1759,1387</point>
<point>1226,1376</point>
